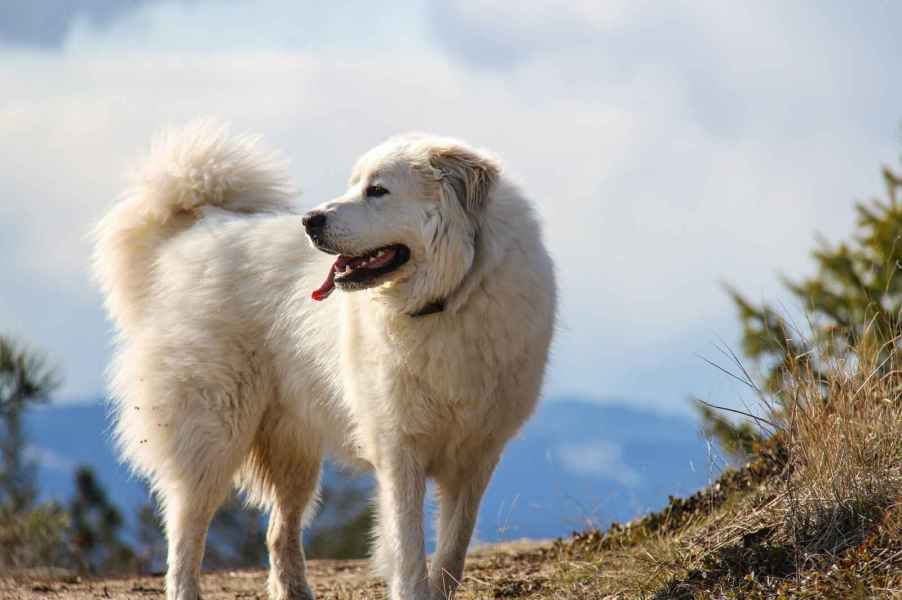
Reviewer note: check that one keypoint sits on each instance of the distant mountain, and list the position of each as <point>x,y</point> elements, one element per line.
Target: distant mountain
<point>578,463</point>
<point>65,436</point>
<point>575,463</point>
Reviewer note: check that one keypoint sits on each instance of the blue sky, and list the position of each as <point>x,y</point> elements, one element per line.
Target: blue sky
<point>669,146</point>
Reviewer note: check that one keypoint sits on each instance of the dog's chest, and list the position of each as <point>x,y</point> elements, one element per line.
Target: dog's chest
<point>426,380</point>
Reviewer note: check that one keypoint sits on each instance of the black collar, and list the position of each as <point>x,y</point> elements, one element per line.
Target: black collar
<point>431,308</point>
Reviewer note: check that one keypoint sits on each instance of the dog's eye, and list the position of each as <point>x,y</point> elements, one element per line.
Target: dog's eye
<point>375,191</point>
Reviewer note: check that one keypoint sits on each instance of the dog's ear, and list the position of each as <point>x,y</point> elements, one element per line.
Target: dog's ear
<point>469,174</point>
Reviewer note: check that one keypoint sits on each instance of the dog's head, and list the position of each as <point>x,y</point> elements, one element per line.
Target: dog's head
<point>409,219</point>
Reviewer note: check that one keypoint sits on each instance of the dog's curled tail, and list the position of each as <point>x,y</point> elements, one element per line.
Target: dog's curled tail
<point>186,170</point>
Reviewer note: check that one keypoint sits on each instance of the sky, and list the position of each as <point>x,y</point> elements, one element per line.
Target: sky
<point>669,147</point>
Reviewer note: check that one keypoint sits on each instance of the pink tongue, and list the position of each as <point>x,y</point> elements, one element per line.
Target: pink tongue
<point>328,286</point>
<point>339,265</point>
<point>323,291</point>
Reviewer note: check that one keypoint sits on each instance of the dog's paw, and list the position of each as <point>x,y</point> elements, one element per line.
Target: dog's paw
<point>296,590</point>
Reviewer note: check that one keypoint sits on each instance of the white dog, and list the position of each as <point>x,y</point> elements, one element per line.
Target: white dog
<point>226,369</point>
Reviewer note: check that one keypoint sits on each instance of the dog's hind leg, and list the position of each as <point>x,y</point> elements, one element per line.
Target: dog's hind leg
<point>206,438</point>
<point>187,515</point>
<point>282,473</point>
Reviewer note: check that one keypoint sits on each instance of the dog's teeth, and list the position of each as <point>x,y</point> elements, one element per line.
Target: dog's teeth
<point>380,253</point>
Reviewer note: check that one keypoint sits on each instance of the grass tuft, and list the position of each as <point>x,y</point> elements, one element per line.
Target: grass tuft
<point>816,514</point>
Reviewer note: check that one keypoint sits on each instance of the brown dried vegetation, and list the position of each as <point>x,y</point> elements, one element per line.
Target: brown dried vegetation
<point>815,515</point>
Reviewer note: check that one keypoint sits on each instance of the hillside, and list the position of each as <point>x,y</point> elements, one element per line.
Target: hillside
<point>726,541</point>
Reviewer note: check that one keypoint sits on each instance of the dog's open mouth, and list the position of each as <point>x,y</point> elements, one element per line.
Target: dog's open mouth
<point>356,272</point>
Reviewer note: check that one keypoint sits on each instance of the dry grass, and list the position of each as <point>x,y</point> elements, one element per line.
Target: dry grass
<point>844,437</point>
<point>816,515</point>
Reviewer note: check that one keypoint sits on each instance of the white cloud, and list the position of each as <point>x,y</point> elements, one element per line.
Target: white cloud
<point>598,458</point>
<point>668,149</point>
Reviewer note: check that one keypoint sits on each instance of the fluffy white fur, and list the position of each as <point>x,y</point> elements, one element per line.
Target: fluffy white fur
<point>226,371</point>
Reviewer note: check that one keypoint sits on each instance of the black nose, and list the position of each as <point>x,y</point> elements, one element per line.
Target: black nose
<point>314,221</point>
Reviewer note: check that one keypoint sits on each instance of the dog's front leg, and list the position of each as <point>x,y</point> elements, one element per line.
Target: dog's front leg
<point>401,552</point>
<point>460,492</point>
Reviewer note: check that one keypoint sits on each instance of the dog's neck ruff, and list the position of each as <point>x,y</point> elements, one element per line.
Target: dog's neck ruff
<point>436,306</point>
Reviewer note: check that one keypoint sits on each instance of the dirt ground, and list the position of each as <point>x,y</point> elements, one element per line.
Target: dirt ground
<point>490,569</point>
